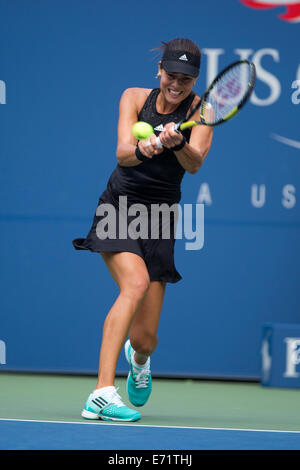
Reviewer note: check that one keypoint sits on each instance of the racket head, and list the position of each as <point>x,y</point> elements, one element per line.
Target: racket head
<point>228,93</point>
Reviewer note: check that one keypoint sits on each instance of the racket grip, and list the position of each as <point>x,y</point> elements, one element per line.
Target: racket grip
<point>158,143</point>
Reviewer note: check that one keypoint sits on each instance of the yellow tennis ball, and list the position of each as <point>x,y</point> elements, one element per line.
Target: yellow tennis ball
<point>142,130</point>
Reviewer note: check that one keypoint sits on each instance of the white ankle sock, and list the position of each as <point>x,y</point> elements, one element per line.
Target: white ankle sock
<point>103,391</point>
<point>140,366</point>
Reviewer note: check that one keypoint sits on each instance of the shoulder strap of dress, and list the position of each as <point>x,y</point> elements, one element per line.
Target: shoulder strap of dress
<point>150,99</point>
<point>186,104</point>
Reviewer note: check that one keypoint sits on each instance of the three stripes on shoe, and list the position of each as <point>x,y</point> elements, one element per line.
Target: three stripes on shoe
<point>100,402</point>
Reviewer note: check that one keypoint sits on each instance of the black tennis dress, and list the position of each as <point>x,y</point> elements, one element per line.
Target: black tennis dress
<point>154,182</point>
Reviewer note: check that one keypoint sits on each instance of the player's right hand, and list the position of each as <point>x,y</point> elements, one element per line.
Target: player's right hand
<point>149,147</point>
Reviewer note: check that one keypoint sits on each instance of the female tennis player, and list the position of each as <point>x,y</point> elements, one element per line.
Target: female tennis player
<point>142,267</point>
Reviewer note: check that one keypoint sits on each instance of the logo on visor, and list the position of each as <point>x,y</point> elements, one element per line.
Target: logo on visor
<point>183,57</point>
<point>292,13</point>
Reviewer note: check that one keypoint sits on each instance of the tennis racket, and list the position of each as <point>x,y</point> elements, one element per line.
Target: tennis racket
<point>224,98</point>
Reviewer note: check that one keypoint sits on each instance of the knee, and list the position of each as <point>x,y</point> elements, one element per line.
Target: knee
<point>136,287</point>
<point>145,344</point>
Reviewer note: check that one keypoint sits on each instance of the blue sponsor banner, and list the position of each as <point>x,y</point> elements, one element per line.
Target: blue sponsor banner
<point>281,355</point>
<point>63,68</point>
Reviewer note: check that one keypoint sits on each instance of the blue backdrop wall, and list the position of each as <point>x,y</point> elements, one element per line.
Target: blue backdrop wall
<point>63,67</point>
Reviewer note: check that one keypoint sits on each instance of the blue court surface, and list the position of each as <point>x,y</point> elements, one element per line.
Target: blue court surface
<point>213,416</point>
<point>39,435</point>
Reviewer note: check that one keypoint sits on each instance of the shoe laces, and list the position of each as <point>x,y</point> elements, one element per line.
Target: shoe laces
<point>115,398</point>
<point>141,377</point>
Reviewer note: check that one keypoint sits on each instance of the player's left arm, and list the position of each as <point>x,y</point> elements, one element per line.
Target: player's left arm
<point>193,154</point>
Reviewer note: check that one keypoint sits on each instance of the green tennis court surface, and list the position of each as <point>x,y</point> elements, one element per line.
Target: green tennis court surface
<point>172,403</point>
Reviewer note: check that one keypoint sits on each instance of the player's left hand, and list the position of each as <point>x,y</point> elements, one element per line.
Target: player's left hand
<point>170,138</point>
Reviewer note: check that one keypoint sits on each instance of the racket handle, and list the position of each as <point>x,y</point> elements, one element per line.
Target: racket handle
<point>158,143</point>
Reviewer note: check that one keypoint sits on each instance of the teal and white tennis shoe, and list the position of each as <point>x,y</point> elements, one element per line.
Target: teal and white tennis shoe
<point>108,406</point>
<point>139,380</point>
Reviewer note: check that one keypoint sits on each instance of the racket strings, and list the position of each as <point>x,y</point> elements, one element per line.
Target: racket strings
<point>227,93</point>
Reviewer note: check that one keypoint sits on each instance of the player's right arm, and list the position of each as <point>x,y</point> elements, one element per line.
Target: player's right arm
<point>131,102</point>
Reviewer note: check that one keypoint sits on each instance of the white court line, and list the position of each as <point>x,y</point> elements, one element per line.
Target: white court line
<point>99,422</point>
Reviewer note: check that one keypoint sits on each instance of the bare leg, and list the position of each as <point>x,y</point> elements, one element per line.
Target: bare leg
<point>143,330</point>
<point>130,273</point>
